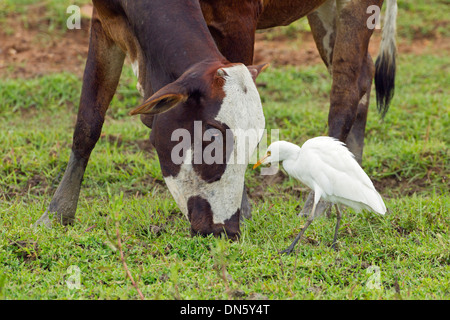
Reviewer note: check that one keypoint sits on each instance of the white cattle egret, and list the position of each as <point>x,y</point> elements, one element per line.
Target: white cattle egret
<point>326,166</point>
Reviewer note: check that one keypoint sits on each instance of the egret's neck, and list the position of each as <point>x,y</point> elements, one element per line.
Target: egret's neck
<point>289,153</point>
<point>289,157</point>
<point>289,165</point>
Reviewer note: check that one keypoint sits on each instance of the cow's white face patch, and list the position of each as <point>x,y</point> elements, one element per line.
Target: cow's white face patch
<point>220,194</point>
<point>241,111</point>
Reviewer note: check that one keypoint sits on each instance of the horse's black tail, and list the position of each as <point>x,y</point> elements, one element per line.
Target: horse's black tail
<point>385,65</point>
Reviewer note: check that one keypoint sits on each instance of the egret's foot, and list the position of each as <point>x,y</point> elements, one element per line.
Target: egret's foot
<point>333,246</point>
<point>287,251</point>
<point>297,238</point>
<point>321,207</point>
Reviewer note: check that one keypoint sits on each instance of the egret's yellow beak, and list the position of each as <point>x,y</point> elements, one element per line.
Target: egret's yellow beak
<point>261,161</point>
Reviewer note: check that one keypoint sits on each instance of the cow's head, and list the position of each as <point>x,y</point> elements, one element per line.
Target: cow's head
<point>196,127</point>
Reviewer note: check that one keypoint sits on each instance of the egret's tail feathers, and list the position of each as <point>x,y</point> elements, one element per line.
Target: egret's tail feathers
<point>380,208</point>
<point>376,203</point>
<point>371,199</point>
<point>385,65</point>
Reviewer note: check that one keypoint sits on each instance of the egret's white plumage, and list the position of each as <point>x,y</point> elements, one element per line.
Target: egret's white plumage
<point>326,166</point>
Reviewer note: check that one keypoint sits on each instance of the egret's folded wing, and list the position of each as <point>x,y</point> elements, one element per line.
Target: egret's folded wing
<point>333,167</point>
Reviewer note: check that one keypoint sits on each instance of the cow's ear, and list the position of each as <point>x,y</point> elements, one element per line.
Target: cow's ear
<point>164,99</point>
<point>256,70</point>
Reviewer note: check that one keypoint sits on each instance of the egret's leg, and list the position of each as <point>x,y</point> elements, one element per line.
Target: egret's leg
<point>338,217</point>
<point>297,238</point>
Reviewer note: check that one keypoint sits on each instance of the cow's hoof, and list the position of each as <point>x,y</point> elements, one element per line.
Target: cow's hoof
<point>44,220</point>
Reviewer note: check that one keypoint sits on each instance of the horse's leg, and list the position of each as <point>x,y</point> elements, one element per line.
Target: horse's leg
<point>101,76</point>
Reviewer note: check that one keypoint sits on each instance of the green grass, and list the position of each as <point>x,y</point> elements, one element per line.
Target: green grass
<point>407,156</point>
<point>423,19</point>
<point>409,149</point>
<point>45,15</point>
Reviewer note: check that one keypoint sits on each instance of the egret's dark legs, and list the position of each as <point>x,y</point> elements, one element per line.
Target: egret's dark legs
<point>297,238</point>
<point>338,217</point>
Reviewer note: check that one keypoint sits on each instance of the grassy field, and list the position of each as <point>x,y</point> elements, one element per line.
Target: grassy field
<point>407,156</point>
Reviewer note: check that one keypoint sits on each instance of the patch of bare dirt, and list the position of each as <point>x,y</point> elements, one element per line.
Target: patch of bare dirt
<point>27,52</point>
<point>25,250</point>
<point>302,50</point>
<point>284,51</point>
<point>142,144</point>
<point>260,191</point>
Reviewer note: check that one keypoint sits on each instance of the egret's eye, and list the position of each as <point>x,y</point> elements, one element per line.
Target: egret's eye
<point>269,153</point>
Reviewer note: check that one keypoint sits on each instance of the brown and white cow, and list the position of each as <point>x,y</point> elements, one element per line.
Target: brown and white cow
<point>342,30</point>
<point>185,80</point>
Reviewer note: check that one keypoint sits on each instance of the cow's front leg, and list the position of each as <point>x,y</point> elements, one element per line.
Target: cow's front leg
<point>101,76</point>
